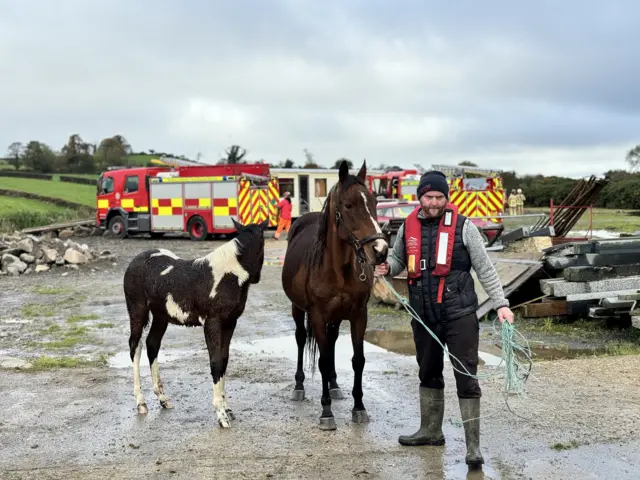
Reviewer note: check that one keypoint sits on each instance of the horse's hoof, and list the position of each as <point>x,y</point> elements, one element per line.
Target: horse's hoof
<point>297,396</point>
<point>328,423</point>
<point>142,409</point>
<point>230,414</point>
<point>223,420</point>
<point>359,416</point>
<point>336,393</point>
<point>166,404</point>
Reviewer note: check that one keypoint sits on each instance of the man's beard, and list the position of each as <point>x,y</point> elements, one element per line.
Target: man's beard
<point>434,212</point>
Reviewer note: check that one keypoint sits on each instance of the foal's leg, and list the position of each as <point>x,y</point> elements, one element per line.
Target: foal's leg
<point>301,337</point>
<point>333,331</point>
<point>227,333</point>
<point>213,336</point>
<point>358,327</point>
<point>156,332</point>
<point>138,318</point>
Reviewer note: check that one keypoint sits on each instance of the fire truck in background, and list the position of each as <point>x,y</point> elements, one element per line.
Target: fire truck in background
<point>387,185</point>
<point>200,200</point>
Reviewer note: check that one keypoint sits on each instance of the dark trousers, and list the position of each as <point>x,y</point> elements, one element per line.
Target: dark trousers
<point>461,336</point>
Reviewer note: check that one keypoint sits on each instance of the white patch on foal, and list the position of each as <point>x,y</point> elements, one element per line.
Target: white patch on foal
<point>166,270</point>
<point>220,403</point>
<point>379,244</point>
<point>166,253</point>
<point>174,310</point>
<point>137,385</point>
<point>158,388</point>
<point>225,260</point>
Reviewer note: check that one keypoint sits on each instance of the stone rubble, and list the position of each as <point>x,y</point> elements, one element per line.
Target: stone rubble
<point>22,254</point>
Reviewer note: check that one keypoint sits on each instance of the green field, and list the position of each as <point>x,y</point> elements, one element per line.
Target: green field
<point>621,221</point>
<point>18,213</point>
<point>71,192</point>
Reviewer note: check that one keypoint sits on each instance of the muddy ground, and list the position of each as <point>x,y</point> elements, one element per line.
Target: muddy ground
<point>579,418</point>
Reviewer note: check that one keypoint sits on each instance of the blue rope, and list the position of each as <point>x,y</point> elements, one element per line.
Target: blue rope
<point>516,354</point>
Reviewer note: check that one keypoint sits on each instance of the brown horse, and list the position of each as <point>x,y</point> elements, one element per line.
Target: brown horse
<point>328,275</point>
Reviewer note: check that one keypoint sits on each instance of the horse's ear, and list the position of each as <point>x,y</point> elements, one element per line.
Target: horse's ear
<point>238,226</point>
<point>344,172</point>
<point>362,174</point>
<point>264,225</point>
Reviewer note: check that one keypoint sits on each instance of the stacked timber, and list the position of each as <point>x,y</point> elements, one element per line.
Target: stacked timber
<point>597,278</point>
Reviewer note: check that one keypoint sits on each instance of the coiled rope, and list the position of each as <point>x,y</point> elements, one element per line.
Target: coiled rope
<point>516,354</point>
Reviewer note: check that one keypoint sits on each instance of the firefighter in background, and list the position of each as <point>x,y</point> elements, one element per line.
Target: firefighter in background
<point>520,198</point>
<point>513,202</point>
<point>284,220</point>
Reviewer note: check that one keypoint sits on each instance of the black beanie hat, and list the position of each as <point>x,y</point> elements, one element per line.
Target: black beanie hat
<point>433,181</point>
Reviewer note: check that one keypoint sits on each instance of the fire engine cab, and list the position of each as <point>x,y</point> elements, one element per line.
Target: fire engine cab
<point>199,200</point>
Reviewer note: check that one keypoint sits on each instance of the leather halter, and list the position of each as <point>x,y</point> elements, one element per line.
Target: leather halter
<point>357,244</point>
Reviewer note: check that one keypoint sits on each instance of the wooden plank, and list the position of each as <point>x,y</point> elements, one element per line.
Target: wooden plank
<point>600,295</point>
<point>60,226</point>
<point>592,260</point>
<point>545,309</point>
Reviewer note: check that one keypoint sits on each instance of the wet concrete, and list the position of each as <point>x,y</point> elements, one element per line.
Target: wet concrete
<point>82,422</point>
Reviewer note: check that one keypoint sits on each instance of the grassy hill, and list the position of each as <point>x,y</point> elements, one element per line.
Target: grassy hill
<point>71,192</point>
<point>18,213</point>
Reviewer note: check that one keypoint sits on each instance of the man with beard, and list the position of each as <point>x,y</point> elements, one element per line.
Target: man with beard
<point>438,247</point>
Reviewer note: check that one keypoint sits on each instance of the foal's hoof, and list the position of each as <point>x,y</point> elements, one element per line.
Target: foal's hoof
<point>223,419</point>
<point>230,414</point>
<point>142,409</point>
<point>166,404</point>
<point>336,393</point>
<point>297,396</point>
<point>359,416</point>
<point>328,423</point>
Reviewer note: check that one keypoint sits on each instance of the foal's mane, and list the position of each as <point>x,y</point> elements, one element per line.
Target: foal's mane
<point>315,254</point>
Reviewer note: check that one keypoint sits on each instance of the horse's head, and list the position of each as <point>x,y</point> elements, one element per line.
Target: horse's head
<point>250,241</point>
<point>354,210</point>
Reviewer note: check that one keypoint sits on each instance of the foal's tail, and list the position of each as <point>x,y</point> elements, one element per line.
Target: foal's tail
<point>312,345</point>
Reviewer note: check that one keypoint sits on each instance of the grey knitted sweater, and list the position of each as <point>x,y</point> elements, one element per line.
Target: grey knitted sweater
<point>480,261</point>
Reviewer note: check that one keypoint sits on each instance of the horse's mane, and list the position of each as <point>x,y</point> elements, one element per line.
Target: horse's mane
<point>315,254</point>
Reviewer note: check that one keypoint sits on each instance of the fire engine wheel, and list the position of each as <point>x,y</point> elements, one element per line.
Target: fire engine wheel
<point>197,229</point>
<point>117,227</point>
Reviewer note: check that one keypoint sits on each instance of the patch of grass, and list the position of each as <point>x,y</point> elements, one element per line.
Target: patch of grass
<point>46,362</point>
<point>565,446</point>
<point>51,290</point>
<point>62,338</point>
<point>82,317</point>
<point>105,325</point>
<point>614,219</point>
<point>18,213</point>
<point>35,310</point>
<point>71,192</point>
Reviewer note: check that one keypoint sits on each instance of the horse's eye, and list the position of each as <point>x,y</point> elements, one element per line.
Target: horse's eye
<point>348,206</point>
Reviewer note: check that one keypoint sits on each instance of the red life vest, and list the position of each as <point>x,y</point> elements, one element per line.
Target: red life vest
<point>444,245</point>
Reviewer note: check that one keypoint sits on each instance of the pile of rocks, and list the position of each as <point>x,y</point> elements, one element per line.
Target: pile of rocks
<point>24,254</point>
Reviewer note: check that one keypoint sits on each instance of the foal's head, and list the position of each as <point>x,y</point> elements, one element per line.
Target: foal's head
<point>354,210</point>
<point>250,245</point>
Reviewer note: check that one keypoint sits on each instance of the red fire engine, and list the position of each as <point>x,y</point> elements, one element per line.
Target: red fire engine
<point>200,200</point>
<point>387,185</point>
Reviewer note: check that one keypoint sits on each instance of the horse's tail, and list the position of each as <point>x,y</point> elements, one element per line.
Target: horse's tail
<point>312,345</point>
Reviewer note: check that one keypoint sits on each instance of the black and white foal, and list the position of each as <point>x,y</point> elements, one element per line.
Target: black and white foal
<point>210,291</point>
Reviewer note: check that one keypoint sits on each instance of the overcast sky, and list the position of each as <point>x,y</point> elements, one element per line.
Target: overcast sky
<point>548,87</point>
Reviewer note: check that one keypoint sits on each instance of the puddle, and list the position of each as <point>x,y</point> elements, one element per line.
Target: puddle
<point>543,352</point>
<point>122,359</point>
<point>402,343</point>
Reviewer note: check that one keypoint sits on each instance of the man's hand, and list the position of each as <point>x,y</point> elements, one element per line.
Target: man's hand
<point>505,313</point>
<point>382,269</point>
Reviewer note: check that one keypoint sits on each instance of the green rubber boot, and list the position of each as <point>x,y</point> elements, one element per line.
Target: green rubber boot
<point>431,416</point>
<point>470,413</point>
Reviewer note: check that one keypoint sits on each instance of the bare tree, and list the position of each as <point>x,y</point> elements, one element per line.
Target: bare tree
<point>633,157</point>
<point>15,154</point>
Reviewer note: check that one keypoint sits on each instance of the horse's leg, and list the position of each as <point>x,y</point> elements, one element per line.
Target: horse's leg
<point>333,331</point>
<point>138,319</point>
<point>227,333</point>
<point>156,332</point>
<point>358,327</point>
<point>327,421</point>
<point>213,337</point>
<point>301,337</point>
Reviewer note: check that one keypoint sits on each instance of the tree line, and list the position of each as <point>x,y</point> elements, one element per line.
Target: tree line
<point>79,156</point>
